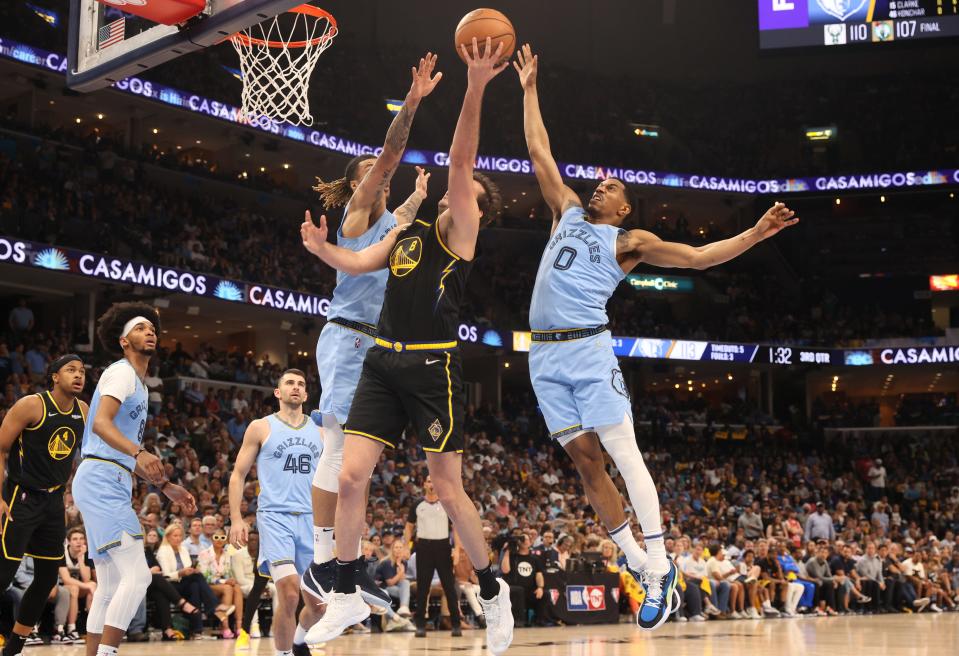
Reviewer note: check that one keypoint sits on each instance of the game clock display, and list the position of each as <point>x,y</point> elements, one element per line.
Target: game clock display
<point>806,23</point>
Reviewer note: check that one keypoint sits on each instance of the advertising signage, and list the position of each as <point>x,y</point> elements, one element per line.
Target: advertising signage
<point>597,171</point>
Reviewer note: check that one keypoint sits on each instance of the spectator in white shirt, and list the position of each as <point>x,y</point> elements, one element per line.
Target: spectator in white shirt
<point>723,573</point>
<point>877,480</point>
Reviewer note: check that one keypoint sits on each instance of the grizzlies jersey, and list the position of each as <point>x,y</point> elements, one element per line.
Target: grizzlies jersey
<point>120,381</point>
<point>359,298</point>
<point>44,458</point>
<point>577,274</point>
<point>285,466</point>
<point>425,289</point>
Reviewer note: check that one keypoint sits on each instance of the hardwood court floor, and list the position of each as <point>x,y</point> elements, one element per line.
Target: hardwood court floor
<point>883,635</point>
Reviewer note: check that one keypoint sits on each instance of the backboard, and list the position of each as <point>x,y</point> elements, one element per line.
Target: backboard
<point>113,39</point>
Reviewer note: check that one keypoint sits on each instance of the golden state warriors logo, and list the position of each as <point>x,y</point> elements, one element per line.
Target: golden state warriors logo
<point>61,443</point>
<point>405,256</point>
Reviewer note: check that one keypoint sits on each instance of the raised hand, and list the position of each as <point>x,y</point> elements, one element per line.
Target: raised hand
<point>776,218</point>
<point>483,66</point>
<point>314,237</point>
<point>423,79</point>
<point>422,180</point>
<point>526,65</point>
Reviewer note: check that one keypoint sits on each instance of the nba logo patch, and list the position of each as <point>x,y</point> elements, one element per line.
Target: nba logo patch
<point>586,597</point>
<point>553,595</point>
<point>356,343</point>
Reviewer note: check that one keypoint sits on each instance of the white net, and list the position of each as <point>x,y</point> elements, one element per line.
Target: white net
<point>277,58</point>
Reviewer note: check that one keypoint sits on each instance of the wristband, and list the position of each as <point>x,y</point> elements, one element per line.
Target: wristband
<point>164,485</point>
<point>139,451</point>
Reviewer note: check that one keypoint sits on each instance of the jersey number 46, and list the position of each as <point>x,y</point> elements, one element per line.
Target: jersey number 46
<point>302,463</point>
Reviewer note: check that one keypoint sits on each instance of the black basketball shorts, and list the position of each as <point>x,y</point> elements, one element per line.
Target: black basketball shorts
<point>422,388</point>
<point>34,525</point>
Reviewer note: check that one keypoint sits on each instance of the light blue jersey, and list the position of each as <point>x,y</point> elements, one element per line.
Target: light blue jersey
<point>577,274</point>
<point>103,484</point>
<point>130,418</point>
<point>360,298</point>
<point>340,349</point>
<point>285,467</point>
<point>578,382</point>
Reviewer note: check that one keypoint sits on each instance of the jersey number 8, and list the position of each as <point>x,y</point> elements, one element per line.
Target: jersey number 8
<point>302,464</point>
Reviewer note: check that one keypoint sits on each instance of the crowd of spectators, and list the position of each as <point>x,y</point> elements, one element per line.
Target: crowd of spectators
<point>750,516</point>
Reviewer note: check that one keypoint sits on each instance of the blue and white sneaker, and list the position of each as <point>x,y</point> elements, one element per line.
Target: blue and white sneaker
<point>318,580</point>
<point>659,601</point>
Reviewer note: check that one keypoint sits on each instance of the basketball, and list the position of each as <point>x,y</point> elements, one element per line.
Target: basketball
<point>482,23</point>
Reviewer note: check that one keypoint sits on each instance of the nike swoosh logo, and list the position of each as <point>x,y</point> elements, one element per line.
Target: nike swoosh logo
<point>428,361</point>
<point>52,414</point>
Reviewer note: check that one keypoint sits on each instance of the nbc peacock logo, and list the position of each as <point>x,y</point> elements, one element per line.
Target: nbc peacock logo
<point>228,291</point>
<point>52,258</point>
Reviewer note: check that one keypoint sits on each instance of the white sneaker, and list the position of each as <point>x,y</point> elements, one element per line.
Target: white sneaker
<point>934,608</point>
<point>753,614</point>
<point>397,623</point>
<point>769,610</point>
<point>255,625</point>
<point>736,615</point>
<point>921,604</point>
<point>404,611</point>
<point>343,611</point>
<point>698,618</point>
<point>499,620</point>
<point>682,618</point>
<point>712,610</point>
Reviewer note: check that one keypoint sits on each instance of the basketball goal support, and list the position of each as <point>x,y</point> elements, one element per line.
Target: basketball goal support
<point>90,68</point>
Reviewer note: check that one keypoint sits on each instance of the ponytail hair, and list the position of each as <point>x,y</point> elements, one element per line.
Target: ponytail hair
<point>338,192</point>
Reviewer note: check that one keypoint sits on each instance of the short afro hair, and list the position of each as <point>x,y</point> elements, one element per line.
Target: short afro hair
<point>491,202</point>
<point>111,323</point>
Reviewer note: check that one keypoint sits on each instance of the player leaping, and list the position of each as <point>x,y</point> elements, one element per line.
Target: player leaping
<point>574,371</point>
<point>414,372</point>
<point>353,313</point>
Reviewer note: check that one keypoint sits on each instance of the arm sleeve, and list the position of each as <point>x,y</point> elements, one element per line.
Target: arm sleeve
<point>118,381</point>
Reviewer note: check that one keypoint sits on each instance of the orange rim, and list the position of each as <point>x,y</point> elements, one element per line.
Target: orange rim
<point>308,10</point>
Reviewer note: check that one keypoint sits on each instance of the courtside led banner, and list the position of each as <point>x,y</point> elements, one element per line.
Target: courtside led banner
<point>198,104</point>
<point>653,283</point>
<point>192,283</point>
<point>948,283</point>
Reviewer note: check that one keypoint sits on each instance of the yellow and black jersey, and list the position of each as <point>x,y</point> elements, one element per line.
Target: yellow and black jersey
<point>425,288</point>
<point>44,457</point>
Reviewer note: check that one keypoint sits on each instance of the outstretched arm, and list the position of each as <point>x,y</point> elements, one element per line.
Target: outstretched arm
<point>342,259</point>
<point>638,246</point>
<point>557,195</point>
<point>406,212</point>
<point>366,193</point>
<point>464,211</point>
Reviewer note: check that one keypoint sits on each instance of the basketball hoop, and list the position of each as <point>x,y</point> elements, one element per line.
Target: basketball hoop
<point>277,58</point>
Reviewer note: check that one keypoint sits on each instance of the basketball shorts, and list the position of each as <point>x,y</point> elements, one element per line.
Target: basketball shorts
<point>578,384</point>
<point>339,358</point>
<point>34,525</point>
<point>422,388</point>
<point>285,539</point>
<point>103,493</point>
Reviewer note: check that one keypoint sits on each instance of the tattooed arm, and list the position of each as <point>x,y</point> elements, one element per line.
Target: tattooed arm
<point>378,178</point>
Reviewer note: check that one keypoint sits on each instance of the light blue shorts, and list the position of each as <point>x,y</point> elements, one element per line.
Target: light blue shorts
<point>339,357</point>
<point>285,539</point>
<point>103,492</point>
<point>578,384</point>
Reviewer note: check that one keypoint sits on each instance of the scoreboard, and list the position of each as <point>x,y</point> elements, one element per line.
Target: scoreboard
<point>806,23</point>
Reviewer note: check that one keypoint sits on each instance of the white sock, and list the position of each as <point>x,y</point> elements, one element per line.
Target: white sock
<point>71,627</point>
<point>299,636</point>
<point>359,548</point>
<point>622,535</point>
<point>322,544</point>
<point>106,650</point>
<point>284,652</point>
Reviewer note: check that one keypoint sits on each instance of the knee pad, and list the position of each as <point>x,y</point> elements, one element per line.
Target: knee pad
<point>331,460</point>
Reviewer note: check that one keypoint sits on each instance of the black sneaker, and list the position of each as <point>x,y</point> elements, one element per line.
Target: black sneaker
<point>33,640</point>
<point>457,632</point>
<point>371,593</point>
<point>301,650</point>
<point>421,632</point>
<point>318,580</point>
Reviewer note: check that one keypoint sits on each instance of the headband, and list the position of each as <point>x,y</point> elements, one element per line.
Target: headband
<point>131,324</point>
<point>61,362</point>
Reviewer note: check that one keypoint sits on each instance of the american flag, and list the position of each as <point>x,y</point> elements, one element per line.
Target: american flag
<point>111,33</point>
